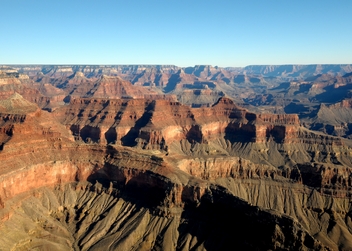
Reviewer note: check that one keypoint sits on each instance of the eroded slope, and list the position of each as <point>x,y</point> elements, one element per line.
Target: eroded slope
<point>158,175</point>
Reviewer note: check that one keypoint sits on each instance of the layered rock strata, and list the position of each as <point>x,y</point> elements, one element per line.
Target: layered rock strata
<point>158,175</point>
<point>157,124</point>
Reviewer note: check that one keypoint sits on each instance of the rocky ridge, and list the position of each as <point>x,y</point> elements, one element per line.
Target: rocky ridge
<point>222,130</point>
<point>242,84</point>
<point>142,174</point>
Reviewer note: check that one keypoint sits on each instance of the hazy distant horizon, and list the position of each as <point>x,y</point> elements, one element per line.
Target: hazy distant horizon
<point>250,65</point>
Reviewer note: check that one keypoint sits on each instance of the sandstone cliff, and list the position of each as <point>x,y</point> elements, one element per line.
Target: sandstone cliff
<point>222,130</point>
<point>44,96</point>
<point>150,122</point>
<point>139,174</point>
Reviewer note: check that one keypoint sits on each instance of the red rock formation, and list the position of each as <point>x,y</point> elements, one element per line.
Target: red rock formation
<point>172,98</point>
<point>114,87</point>
<point>346,103</point>
<point>222,167</point>
<point>36,151</point>
<point>19,83</point>
<point>158,124</point>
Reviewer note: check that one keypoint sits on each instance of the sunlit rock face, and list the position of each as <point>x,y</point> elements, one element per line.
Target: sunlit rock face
<point>156,121</point>
<point>144,174</point>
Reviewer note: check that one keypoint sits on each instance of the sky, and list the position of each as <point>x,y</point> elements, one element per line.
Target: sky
<point>183,32</point>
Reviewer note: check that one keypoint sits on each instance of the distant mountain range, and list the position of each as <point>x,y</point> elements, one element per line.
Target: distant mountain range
<point>286,71</point>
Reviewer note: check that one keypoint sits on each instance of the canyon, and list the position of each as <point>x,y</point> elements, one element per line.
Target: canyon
<point>170,158</point>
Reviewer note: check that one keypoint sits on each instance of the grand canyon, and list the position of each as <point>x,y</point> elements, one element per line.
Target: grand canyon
<point>161,157</point>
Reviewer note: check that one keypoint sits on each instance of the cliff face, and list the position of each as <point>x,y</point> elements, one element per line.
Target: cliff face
<point>156,174</point>
<point>222,130</point>
<point>14,82</point>
<point>114,87</point>
<point>150,197</point>
<point>334,119</point>
<point>141,200</point>
<point>159,124</point>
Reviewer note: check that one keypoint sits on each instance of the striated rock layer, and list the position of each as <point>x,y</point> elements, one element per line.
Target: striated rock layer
<point>171,121</point>
<point>139,174</point>
<point>311,158</point>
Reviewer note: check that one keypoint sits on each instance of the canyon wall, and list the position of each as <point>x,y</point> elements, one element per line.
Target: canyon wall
<point>155,174</point>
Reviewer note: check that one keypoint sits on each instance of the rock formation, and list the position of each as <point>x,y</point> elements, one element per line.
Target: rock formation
<point>151,122</point>
<point>242,84</point>
<point>115,87</point>
<point>149,173</point>
<point>295,71</point>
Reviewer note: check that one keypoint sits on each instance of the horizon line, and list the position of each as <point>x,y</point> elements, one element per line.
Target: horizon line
<point>41,64</point>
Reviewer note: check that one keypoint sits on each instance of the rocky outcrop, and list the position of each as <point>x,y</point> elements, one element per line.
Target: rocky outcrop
<point>11,83</point>
<point>113,119</point>
<point>16,104</point>
<point>145,174</point>
<point>196,98</point>
<point>334,119</point>
<point>139,199</point>
<point>165,209</point>
<point>159,123</point>
<point>213,168</point>
<point>114,87</point>
<point>260,145</point>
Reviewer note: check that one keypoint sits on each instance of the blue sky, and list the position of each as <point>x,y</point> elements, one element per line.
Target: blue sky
<point>183,33</point>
